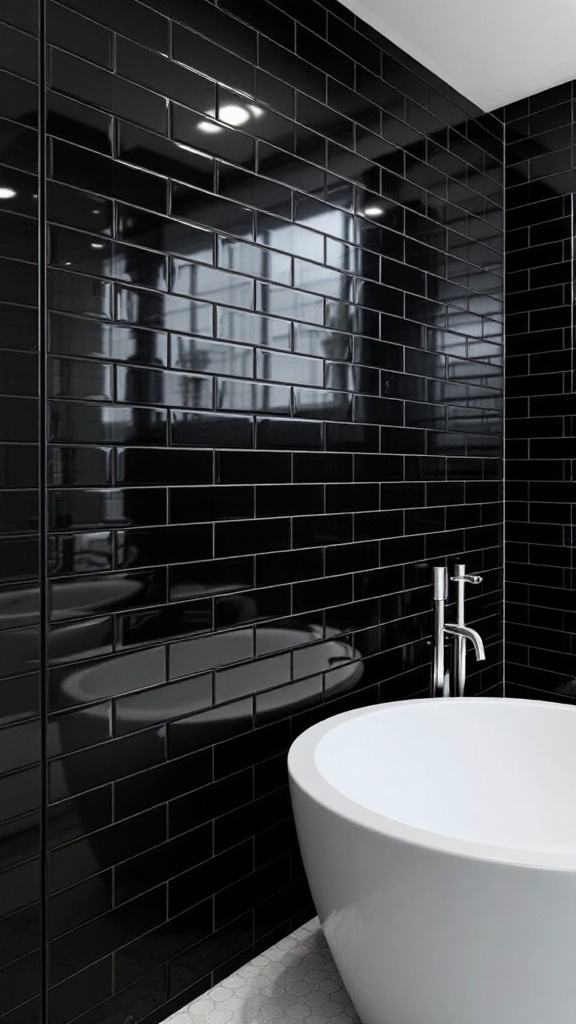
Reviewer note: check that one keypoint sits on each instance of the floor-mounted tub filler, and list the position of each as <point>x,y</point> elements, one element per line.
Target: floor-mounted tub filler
<point>439,840</point>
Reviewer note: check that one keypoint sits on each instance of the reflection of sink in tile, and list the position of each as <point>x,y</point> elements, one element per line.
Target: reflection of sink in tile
<point>333,656</point>
<point>22,604</point>
<point>94,593</point>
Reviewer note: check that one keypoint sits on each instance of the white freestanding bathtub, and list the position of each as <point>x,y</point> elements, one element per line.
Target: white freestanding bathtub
<point>439,840</point>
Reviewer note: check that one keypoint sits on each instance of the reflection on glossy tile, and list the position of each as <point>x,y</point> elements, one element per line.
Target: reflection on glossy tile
<point>144,149</point>
<point>106,424</point>
<point>274,329</point>
<point>170,312</point>
<point>72,165</point>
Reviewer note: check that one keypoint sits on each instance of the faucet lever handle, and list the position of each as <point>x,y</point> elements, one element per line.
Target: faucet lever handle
<point>467,578</point>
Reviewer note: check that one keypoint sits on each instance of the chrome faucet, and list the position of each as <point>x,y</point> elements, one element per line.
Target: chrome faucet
<point>441,683</point>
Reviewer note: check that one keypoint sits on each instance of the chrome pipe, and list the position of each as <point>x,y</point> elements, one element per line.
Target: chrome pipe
<point>438,680</point>
<point>461,578</point>
<point>460,641</point>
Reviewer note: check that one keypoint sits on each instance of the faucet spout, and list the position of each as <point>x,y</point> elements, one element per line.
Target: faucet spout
<point>453,629</point>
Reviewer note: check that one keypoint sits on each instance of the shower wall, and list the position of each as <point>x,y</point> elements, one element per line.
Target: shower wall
<point>540,397</point>
<point>273,298</point>
<point>20,513</point>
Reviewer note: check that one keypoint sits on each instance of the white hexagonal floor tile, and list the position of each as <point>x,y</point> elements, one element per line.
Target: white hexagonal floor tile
<point>294,981</point>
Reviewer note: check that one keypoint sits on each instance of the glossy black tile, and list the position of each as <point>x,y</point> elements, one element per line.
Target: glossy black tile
<point>159,387</point>
<point>76,379</point>
<point>18,978</point>
<point>177,856</point>
<point>73,165</point>
<point>75,509</point>
<point>208,652</point>
<point>92,256</point>
<point>238,396</point>
<point>321,531</point>
<point>19,559</point>
<point>207,357</point>
<point>89,681</point>
<point>82,552</point>
<point>162,545</point>
<point>195,196</point>
<point>76,209</point>
<point>17,283</point>
<point>209,877</point>
<point>207,58</point>
<point>163,783</point>
<point>150,30</point>
<point>292,69</point>
<point>189,505</point>
<point>20,793</point>
<point>538,228</point>
<point>19,52</point>
<point>76,950</point>
<point>78,729</point>
<point>203,429</point>
<point>155,706</point>
<point>289,434</point>
<point>154,153</point>
<point>69,336</point>
<point>168,312</point>
<point>164,943</point>
<point>247,537</point>
<point>141,228</point>
<point>136,466</point>
<point>218,576</point>
<point>23,16</point>
<point>106,424</point>
<point>116,592</point>
<point>91,768</point>
<point>68,30</point>
<point>20,240</point>
<point>72,642</point>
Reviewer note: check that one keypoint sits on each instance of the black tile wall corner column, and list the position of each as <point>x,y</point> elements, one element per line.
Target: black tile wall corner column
<point>541,402</point>
<point>20,623</point>
<point>274,403</point>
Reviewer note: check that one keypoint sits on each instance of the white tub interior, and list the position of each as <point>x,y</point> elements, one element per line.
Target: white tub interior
<point>498,773</point>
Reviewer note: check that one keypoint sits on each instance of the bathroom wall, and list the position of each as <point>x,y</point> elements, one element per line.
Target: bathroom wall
<point>274,379</point>
<point>20,633</point>
<point>540,389</point>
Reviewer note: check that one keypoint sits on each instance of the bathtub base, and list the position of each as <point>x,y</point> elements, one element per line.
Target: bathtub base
<point>418,942</point>
<point>426,928</point>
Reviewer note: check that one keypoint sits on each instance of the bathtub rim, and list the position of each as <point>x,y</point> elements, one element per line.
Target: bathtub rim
<point>303,773</point>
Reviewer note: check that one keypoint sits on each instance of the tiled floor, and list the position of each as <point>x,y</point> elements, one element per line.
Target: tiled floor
<point>295,980</point>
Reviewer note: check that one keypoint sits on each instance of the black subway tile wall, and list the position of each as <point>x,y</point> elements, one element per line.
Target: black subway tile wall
<point>273,382</point>
<point>21,929</point>
<point>540,397</point>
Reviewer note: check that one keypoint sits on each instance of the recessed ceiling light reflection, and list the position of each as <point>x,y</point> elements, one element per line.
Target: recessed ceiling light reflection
<point>96,245</point>
<point>234,114</point>
<point>7,193</point>
<point>373,211</point>
<point>210,127</point>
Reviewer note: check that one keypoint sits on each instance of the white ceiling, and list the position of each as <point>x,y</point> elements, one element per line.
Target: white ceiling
<point>492,51</point>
